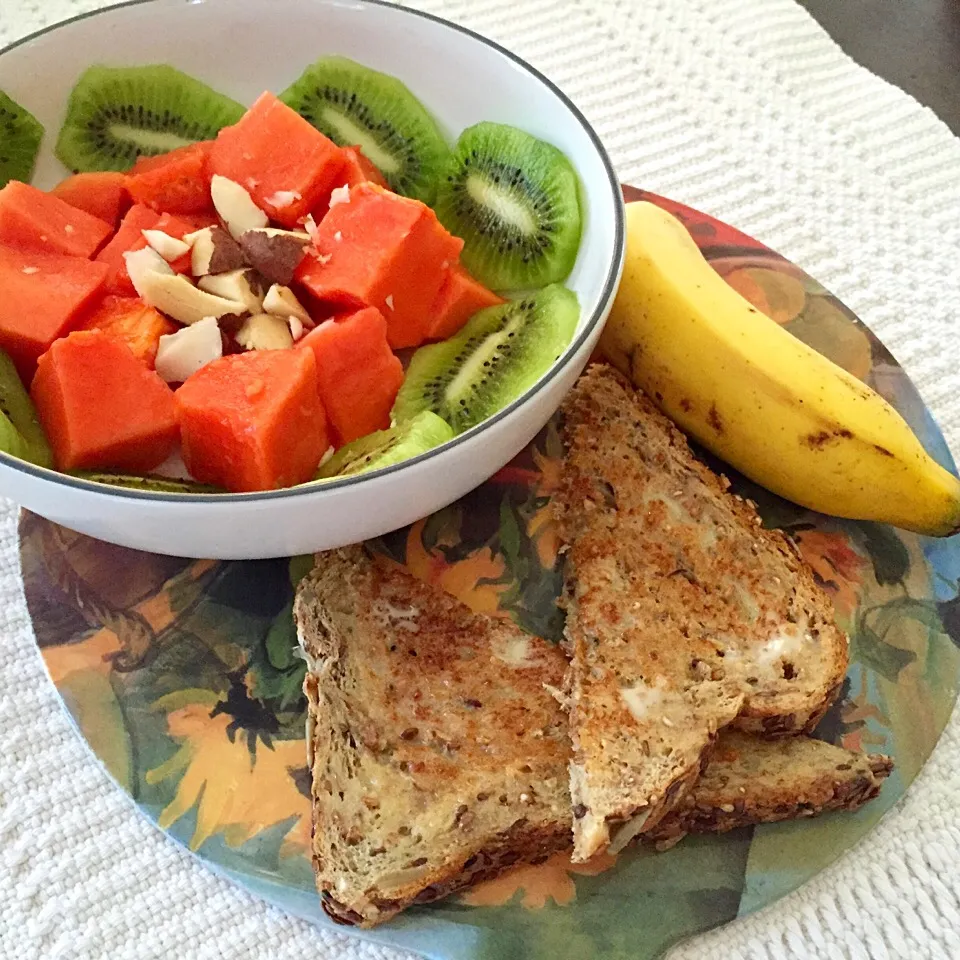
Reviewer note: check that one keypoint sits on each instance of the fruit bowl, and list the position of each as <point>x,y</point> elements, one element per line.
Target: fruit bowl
<point>241,48</point>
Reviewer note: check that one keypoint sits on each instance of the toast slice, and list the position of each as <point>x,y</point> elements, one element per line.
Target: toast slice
<point>438,755</point>
<point>749,781</point>
<point>683,613</point>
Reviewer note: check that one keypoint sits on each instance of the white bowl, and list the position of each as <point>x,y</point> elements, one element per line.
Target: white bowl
<point>242,47</point>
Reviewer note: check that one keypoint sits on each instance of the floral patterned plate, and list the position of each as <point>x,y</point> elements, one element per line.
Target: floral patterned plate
<point>181,676</point>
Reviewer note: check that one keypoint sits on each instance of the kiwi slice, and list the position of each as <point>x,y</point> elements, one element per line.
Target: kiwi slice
<point>356,106</point>
<point>515,201</point>
<point>116,114</point>
<point>20,430</point>
<point>500,353</point>
<point>386,447</point>
<point>149,482</point>
<point>20,136</point>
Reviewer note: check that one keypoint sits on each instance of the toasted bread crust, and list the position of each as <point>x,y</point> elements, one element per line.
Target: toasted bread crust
<point>675,593</point>
<point>751,781</point>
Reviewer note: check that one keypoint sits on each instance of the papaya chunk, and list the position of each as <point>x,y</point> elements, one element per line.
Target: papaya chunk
<point>174,182</point>
<point>131,321</point>
<point>43,297</point>
<point>286,164</point>
<point>460,297</point>
<point>357,373</point>
<point>101,408</point>
<point>102,194</point>
<point>253,421</point>
<point>33,220</point>
<point>378,249</point>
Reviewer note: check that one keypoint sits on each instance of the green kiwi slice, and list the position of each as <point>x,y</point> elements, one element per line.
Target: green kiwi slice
<point>20,136</point>
<point>356,106</point>
<point>20,430</point>
<point>500,353</point>
<point>386,447</point>
<point>515,201</point>
<point>148,483</point>
<point>116,114</point>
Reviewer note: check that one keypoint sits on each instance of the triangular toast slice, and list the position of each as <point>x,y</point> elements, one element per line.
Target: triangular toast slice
<point>683,612</point>
<point>749,781</point>
<point>438,754</point>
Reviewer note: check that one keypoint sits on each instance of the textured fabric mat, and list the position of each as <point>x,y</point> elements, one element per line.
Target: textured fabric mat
<point>744,109</point>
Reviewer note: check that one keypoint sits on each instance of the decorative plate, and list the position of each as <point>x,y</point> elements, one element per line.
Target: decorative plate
<point>181,676</point>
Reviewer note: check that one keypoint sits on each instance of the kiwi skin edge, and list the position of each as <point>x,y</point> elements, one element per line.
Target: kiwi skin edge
<point>149,483</point>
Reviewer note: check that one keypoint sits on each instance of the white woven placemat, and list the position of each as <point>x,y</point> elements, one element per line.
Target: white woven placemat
<point>746,110</point>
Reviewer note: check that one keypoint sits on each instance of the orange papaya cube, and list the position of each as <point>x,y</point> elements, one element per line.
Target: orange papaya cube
<point>130,237</point>
<point>174,182</point>
<point>101,408</point>
<point>102,194</point>
<point>460,297</point>
<point>253,421</point>
<point>358,169</point>
<point>286,164</point>
<point>131,321</point>
<point>33,220</point>
<point>357,373</point>
<point>42,297</point>
<point>378,249</point>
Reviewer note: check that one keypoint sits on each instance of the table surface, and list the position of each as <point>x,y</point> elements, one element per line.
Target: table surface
<point>743,109</point>
<point>912,43</point>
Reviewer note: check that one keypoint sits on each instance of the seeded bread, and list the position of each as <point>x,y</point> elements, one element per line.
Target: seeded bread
<point>683,614</point>
<point>438,755</point>
<point>750,781</point>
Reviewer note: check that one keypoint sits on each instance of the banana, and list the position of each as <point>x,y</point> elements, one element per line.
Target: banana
<point>759,398</point>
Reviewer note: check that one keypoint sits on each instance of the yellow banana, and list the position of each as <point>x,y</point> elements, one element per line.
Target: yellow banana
<point>759,398</point>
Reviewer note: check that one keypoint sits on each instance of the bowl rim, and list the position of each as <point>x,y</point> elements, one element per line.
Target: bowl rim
<point>608,290</point>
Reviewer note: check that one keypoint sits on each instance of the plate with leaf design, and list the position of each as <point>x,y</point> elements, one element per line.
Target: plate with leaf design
<point>182,677</point>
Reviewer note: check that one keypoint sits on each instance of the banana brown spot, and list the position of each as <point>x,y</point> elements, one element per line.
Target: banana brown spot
<point>713,418</point>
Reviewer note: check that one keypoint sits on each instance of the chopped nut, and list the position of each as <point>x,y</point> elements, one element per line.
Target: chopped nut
<point>170,248</point>
<point>142,262</point>
<point>275,253</point>
<point>181,354</point>
<point>240,285</point>
<point>283,198</point>
<point>281,301</point>
<point>177,297</point>
<point>340,195</point>
<point>235,206</point>
<point>264,332</point>
<point>213,250</point>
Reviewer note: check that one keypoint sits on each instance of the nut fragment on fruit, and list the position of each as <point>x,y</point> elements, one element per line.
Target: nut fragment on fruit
<point>282,199</point>
<point>264,332</point>
<point>181,354</point>
<point>275,253</point>
<point>281,301</point>
<point>170,248</point>
<point>242,285</point>
<point>142,262</point>
<point>235,206</point>
<point>340,195</point>
<point>179,299</point>
<point>213,250</point>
